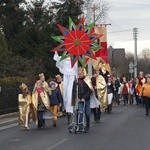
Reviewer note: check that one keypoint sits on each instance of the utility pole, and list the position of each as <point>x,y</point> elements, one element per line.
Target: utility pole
<point>135,32</point>
<point>94,8</point>
<point>88,22</point>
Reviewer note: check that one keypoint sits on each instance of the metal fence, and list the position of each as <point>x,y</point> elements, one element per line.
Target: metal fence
<point>8,100</point>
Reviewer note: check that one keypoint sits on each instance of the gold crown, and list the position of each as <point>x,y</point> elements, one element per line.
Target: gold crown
<point>41,75</point>
<point>23,86</point>
<point>57,76</point>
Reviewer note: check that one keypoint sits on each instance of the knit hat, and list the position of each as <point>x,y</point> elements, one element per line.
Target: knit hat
<point>51,83</point>
<point>147,75</point>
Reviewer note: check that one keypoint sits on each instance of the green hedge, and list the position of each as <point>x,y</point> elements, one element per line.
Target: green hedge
<point>12,81</point>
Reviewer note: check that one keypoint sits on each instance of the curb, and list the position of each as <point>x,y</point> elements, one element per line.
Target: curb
<point>6,123</point>
<point>15,114</point>
<point>8,119</point>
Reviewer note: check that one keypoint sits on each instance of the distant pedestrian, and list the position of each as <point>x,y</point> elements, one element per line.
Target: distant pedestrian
<point>145,93</point>
<point>110,90</point>
<point>116,89</point>
<point>140,80</point>
<point>131,90</point>
<point>124,90</point>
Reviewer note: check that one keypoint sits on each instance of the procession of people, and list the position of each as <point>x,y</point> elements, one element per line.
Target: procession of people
<point>99,93</point>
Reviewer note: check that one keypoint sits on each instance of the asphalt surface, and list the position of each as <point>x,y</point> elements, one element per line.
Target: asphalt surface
<point>127,128</point>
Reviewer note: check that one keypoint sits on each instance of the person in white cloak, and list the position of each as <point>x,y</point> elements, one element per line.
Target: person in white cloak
<point>69,75</point>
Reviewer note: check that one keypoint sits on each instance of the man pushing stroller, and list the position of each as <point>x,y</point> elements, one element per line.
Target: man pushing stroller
<point>84,87</point>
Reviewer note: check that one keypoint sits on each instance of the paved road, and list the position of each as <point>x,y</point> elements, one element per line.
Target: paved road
<point>125,129</point>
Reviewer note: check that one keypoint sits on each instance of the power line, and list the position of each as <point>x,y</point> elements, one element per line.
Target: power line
<point>121,31</point>
<point>138,4</point>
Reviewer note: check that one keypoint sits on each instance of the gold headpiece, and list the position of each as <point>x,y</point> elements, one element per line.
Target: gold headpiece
<point>39,82</point>
<point>23,86</point>
<point>41,75</point>
<point>100,64</point>
<point>57,76</point>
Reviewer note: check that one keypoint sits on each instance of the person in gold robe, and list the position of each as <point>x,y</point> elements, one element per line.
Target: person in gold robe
<point>24,101</point>
<point>100,88</point>
<point>40,102</point>
<point>44,83</point>
<point>45,87</point>
<point>100,85</point>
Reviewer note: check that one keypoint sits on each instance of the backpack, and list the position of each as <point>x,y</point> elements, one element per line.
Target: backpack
<point>124,89</point>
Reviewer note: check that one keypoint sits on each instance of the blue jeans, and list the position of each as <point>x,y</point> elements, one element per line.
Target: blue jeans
<point>87,112</point>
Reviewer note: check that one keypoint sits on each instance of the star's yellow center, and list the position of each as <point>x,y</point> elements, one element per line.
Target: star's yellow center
<point>77,42</point>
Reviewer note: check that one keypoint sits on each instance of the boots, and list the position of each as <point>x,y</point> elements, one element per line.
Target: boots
<point>109,109</point>
<point>69,117</point>
<point>55,121</point>
<point>97,114</point>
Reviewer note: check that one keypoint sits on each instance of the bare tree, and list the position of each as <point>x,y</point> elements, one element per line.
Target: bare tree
<point>98,10</point>
<point>144,61</point>
<point>145,54</point>
<point>102,8</point>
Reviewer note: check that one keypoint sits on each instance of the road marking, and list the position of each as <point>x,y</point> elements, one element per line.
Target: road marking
<point>15,140</point>
<point>9,126</point>
<point>55,145</point>
<point>140,118</point>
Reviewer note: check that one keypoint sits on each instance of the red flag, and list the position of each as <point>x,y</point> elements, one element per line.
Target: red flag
<point>103,52</point>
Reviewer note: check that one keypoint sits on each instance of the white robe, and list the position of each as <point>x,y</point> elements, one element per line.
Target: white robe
<point>94,102</point>
<point>69,75</point>
<point>110,97</point>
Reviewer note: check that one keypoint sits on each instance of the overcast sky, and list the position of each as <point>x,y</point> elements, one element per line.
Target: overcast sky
<point>124,15</point>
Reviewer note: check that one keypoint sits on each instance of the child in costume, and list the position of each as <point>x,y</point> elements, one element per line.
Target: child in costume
<point>40,101</point>
<point>55,100</point>
<point>24,100</point>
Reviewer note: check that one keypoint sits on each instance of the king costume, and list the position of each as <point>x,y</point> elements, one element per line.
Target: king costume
<point>24,101</point>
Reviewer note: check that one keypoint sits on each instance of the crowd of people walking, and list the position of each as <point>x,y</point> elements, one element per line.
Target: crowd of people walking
<point>99,93</point>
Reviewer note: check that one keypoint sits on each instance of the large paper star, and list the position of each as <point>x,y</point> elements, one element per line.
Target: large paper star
<point>77,42</point>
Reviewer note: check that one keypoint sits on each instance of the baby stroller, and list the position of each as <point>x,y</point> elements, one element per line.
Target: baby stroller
<point>78,119</point>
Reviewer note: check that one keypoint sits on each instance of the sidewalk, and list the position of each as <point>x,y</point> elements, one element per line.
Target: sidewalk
<point>8,119</point>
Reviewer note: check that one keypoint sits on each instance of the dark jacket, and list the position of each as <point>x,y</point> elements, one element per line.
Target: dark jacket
<point>84,91</point>
<point>93,80</point>
<point>40,106</point>
<point>55,97</point>
<point>110,88</point>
